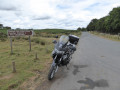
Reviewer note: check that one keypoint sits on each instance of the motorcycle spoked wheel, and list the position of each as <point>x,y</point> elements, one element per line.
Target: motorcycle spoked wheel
<point>52,72</point>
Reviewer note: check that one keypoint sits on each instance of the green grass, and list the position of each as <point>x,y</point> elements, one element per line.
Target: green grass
<point>25,60</point>
<point>55,31</point>
<point>107,36</point>
<point>26,65</point>
<point>50,33</point>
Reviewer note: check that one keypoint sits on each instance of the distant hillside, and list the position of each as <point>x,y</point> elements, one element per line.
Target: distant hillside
<point>41,32</point>
<point>107,24</point>
<point>55,31</point>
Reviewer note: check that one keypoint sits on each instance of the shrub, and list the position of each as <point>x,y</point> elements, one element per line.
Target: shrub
<point>37,41</point>
<point>42,43</point>
<point>17,38</point>
<point>2,39</point>
<point>25,38</point>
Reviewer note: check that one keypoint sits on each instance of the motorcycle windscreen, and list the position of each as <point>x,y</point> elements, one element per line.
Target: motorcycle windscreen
<point>62,42</point>
<point>63,39</point>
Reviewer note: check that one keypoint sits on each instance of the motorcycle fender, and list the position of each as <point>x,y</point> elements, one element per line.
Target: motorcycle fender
<point>53,63</point>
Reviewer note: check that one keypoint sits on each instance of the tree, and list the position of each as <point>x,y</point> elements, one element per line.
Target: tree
<point>1,26</point>
<point>79,29</point>
<point>92,24</point>
<point>7,27</point>
<point>107,24</point>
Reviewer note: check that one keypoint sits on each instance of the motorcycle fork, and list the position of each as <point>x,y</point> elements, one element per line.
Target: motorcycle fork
<point>57,65</point>
<point>54,64</point>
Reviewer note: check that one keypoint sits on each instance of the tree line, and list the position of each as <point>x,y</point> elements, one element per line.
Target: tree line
<point>108,24</point>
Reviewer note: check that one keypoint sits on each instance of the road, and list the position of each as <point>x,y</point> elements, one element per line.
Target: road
<point>94,66</point>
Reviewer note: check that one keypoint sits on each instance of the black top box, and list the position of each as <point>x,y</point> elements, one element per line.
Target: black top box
<point>73,39</point>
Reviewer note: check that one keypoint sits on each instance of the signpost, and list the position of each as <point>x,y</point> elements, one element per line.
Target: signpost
<point>19,33</point>
<point>11,45</point>
<point>30,43</point>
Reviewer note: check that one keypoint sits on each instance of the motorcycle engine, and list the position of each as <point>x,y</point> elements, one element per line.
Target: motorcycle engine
<point>65,60</point>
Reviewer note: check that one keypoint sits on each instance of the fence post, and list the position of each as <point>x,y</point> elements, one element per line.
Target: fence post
<point>30,43</point>
<point>14,67</point>
<point>11,45</point>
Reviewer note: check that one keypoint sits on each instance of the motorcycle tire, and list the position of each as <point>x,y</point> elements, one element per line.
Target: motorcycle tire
<point>51,73</point>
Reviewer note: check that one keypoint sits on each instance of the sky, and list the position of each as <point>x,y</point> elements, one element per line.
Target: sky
<point>42,14</point>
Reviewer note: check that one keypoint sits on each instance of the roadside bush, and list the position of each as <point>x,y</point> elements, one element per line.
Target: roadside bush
<point>42,43</point>
<point>38,41</point>
<point>17,38</point>
<point>13,39</point>
<point>2,35</point>
<point>2,39</point>
<point>25,38</point>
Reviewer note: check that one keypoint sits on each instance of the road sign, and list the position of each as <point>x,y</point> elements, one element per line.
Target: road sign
<point>18,33</point>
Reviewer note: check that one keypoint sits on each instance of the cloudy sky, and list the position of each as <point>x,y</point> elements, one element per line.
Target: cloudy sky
<point>65,14</point>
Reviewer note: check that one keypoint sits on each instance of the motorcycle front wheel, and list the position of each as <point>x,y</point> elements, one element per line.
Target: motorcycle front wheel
<point>51,72</point>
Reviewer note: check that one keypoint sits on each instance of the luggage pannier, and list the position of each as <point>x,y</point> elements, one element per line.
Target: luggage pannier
<point>73,39</point>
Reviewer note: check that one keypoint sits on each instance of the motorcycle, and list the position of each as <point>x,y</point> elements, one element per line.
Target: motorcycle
<point>62,54</point>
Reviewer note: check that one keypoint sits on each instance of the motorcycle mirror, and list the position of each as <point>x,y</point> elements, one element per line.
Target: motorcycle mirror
<point>54,41</point>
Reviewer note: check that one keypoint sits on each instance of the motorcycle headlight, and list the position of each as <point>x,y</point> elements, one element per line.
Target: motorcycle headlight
<point>59,52</point>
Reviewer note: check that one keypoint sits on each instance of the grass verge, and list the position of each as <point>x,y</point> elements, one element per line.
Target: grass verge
<point>107,36</point>
<point>26,64</point>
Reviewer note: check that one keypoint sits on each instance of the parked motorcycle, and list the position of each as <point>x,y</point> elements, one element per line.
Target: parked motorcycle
<point>62,53</point>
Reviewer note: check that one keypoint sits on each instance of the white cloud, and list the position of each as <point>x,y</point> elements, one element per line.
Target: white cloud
<point>68,14</point>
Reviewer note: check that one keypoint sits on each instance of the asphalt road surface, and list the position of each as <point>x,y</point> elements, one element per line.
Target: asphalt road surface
<point>94,66</point>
